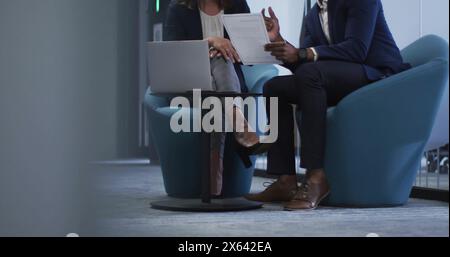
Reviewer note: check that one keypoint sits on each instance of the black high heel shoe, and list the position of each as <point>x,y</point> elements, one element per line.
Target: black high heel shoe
<point>245,152</point>
<point>258,149</point>
<point>249,141</point>
<point>243,155</point>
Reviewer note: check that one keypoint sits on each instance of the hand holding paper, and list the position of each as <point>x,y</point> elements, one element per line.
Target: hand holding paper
<point>249,36</point>
<point>283,51</point>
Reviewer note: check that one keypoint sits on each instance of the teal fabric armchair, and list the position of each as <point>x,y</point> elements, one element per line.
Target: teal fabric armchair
<point>377,135</point>
<point>179,155</point>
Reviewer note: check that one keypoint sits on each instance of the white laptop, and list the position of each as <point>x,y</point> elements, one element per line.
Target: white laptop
<point>179,66</point>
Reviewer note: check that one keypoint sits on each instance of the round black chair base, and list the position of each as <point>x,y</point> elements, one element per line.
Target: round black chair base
<point>216,205</point>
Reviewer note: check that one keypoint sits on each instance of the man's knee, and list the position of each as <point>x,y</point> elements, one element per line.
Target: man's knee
<point>307,73</point>
<point>270,88</point>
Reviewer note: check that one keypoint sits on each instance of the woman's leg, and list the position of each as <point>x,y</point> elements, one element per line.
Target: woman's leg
<point>224,76</point>
<point>216,157</point>
<point>225,79</point>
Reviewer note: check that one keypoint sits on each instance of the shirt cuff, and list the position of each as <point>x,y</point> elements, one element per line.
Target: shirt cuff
<point>316,56</point>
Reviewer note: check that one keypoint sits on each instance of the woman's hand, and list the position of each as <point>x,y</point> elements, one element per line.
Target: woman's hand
<point>214,53</point>
<point>223,47</point>
<point>272,25</point>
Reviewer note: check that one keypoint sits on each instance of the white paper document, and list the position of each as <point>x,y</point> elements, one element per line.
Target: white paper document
<point>248,34</point>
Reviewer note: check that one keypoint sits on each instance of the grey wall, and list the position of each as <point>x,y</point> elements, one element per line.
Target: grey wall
<point>67,76</point>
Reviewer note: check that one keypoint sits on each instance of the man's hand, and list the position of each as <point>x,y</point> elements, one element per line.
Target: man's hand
<point>272,25</point>
<point>283,51</point>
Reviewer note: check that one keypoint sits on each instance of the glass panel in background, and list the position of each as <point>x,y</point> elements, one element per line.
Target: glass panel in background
<point>261,164</point>
<point>434,170</point>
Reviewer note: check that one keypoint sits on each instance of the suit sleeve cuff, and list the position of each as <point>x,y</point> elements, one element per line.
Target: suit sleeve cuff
<point>316,56</point>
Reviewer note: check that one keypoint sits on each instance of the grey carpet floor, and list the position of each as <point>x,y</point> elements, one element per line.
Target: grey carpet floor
<point>125,193</point>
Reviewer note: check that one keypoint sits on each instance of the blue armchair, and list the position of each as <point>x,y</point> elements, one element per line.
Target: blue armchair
<point>179,156</point>
<point>377,135</point>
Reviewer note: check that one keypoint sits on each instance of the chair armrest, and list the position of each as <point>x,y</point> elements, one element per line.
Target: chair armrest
<point>401,86</point>
<point>256,76</point>
<point>153,102</point>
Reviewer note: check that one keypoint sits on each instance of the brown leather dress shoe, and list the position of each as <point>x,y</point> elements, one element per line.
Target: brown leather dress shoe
<point>277,192</point>
<point>308,196</point>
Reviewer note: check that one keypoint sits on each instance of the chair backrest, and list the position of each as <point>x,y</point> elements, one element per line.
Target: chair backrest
<point>425,49</point>
<point>422,51</point>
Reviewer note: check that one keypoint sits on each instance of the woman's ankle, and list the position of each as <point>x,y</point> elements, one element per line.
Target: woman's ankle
<point>240,122</point>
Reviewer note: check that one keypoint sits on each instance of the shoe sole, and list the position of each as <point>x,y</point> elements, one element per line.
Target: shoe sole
<point>267,202</point>
<point>311,209</point>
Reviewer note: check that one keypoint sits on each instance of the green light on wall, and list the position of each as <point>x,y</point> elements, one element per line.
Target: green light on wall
<point>157,6</point>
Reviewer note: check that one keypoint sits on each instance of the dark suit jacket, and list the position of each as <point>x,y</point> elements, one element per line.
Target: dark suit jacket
<point>359,34</point>
<point>184,23</point>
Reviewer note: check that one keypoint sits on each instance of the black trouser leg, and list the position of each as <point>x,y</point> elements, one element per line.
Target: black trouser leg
<point>281,157</point>
<point>313,88</point>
